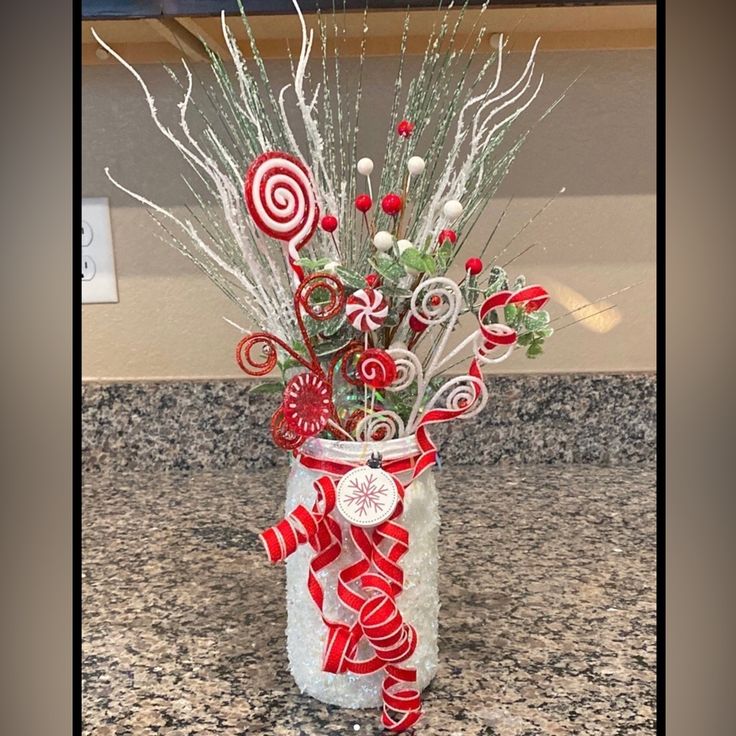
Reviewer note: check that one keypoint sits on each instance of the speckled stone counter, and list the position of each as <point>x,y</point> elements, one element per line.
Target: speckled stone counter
<point>547,622</point>
<point>606,419</point>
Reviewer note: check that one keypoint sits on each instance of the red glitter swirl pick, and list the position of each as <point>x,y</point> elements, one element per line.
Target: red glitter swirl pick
<point>283,436</point>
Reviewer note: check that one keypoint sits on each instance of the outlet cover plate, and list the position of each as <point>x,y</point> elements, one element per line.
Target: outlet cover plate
<point>99,284</point>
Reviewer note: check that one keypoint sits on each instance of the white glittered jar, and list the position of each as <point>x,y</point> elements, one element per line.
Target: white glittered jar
<point>418,602</point>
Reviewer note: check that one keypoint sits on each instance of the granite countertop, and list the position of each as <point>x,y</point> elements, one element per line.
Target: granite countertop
<point>547,622</point>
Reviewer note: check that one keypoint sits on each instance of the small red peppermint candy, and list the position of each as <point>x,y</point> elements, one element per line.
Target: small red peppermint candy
<point>405,129</point>
<point>329,223</point>
<point>447,234</point>
<point>474,265</point>
<point>363,203</point>
<point>376,368</point>
<point>366,309</point>
<point>307,404</point>
<point>391,204</point>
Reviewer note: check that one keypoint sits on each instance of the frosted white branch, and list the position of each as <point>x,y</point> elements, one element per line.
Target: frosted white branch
<point>237,58</point>
<point>454,179</point>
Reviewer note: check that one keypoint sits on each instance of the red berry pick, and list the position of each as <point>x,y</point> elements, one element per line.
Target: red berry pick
<point>373,280</point>
<point>363,203</point>
<point>391,204</point>
<point>329,223</point>
<point>405,129</point>
<point>474,266</point>
<point>445,235</point>
<point>416,324</point>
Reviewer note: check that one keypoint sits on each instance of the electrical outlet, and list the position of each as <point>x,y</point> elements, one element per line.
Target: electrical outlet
<point>87,234</point>
<point>88,268</point>
<point>98,262</point>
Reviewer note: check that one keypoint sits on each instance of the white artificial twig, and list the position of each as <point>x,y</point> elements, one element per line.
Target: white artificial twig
<point>189,229</point>
<point>237,326</point>
<point>311,127</point>
<point>237,58</point>
<point>453,181</point>
<point>226,187</point>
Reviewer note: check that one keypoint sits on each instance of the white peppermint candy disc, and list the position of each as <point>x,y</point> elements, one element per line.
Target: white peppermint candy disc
<point>366,309</point>
<point>367,496</point>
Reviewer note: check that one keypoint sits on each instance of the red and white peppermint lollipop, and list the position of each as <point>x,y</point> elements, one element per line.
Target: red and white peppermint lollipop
<point>307,404</point>
<point>366,309</point>
<point>376,368</point>
<point>279,194</point>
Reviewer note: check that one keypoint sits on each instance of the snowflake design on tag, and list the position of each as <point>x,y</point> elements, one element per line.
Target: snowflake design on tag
<point>366,496</point>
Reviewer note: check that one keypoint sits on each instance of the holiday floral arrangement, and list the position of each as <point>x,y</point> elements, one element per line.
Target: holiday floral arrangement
<point>344,276</point>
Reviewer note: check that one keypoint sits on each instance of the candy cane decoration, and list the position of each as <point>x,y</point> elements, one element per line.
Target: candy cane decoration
<point>279,195</point>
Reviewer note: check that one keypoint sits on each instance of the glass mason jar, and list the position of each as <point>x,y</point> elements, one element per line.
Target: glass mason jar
<point>418,602</point>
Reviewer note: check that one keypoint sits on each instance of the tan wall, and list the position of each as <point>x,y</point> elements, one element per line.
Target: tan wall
<point>596,238</point>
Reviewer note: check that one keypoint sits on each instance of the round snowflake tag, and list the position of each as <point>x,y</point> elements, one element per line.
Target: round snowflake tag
<point>367,496</point>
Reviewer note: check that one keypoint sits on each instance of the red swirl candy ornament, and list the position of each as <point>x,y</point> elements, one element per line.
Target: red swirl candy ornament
<point>307,404</point>
<point>279,195</point>
<point>376,368</point>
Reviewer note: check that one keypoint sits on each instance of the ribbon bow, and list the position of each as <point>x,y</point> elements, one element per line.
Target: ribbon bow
<point>379,578</point>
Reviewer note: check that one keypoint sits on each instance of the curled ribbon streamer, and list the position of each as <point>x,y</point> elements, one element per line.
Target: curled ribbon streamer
<point>324,535</point>
<point>379,619</point>
<point>302,524</point>
<point>496,333</point>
